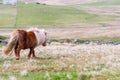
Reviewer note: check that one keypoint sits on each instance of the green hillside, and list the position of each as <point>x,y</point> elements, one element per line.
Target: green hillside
<point>33,14</point>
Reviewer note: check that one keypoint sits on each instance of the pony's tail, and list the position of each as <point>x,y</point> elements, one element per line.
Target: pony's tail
<point>12,42</point>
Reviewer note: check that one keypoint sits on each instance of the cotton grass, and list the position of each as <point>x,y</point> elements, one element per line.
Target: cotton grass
<point>11,77</point>
<point>85,59</point>
<point>24,72</point>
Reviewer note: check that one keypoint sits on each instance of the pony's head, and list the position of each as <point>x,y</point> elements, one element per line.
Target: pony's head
<point>45,42</point>
<point>43,38</point>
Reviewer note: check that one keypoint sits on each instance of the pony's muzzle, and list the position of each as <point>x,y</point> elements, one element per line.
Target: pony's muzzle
<point>44,44</point>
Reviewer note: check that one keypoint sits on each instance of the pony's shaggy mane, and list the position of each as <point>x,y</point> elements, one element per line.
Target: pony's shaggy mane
<point>36,29</point>
<point>39,33</point>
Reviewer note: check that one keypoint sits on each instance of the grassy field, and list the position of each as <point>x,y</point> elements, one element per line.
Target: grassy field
<point>7,15</point>
<point>33,14</point>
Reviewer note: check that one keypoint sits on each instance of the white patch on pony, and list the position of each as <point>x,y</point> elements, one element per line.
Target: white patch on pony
<point>40,35</point>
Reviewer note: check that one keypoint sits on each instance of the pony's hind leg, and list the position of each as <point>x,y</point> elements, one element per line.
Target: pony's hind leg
<point>17,53</point>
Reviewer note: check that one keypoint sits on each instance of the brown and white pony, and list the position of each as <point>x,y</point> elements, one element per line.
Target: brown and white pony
<point>21,39</point>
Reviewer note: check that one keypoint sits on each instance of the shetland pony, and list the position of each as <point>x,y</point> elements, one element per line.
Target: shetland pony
<point>21,39</point>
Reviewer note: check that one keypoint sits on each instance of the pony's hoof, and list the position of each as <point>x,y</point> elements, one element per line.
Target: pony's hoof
<point>33,57</point>
<point>28,57</point>
<point>17,58</point>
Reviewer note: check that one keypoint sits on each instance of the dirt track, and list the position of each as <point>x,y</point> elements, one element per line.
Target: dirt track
<point>61,2</point>
<point>77,32</point>
<point>102,10</point>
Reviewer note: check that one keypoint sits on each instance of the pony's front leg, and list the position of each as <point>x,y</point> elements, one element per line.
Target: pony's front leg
<point>17,53</point>
<point>32,53</point>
